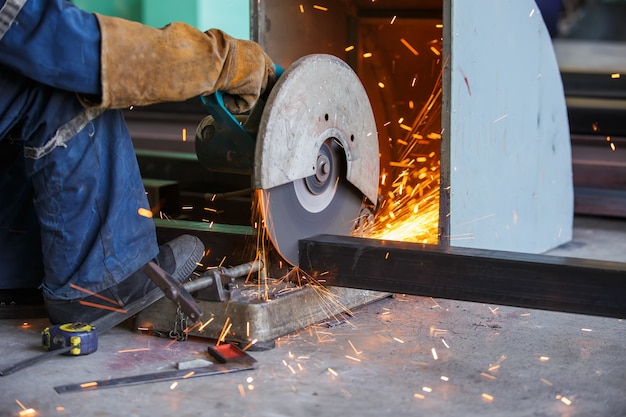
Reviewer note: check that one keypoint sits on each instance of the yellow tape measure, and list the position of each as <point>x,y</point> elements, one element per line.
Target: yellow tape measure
<point>82,336</point>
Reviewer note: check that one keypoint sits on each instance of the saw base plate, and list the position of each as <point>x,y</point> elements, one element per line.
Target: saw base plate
<point>264,321</point>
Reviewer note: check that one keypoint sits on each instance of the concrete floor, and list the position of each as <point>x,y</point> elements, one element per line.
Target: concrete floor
<point>403,355</point>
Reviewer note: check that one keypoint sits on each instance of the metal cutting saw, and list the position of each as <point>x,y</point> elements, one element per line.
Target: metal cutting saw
<point>311,150</point>
<point>310,146</point>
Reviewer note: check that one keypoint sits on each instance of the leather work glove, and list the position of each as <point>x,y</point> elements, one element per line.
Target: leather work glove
<point>141,65</point>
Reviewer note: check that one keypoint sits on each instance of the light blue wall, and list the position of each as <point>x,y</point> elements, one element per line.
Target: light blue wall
<point>160,13</point>
<point>128,9</point>
<point>232,16</point>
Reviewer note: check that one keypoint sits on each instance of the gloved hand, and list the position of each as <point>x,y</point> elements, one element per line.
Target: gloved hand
<point>142,65</point>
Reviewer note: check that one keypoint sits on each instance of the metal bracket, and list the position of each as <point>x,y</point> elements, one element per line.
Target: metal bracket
<point>217,284</point>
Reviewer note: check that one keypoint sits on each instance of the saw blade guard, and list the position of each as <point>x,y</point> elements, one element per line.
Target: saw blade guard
<point>316,154</point>
<point>317,98</point>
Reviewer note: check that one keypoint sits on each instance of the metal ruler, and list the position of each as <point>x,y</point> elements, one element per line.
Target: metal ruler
<point>229,358</point>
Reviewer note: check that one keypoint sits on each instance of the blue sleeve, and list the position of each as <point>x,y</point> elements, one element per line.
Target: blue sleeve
<point>52,42</point>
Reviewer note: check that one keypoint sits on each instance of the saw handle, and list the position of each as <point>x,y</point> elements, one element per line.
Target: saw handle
<point>214,103</point>
<point>225,143</point>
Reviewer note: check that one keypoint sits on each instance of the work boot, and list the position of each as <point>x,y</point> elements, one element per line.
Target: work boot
<point>178,257</point>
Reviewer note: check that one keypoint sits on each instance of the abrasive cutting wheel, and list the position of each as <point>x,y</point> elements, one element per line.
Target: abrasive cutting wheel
<point>316,157</point>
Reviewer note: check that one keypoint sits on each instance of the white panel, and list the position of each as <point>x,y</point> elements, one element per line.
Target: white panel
<point>510,156</point>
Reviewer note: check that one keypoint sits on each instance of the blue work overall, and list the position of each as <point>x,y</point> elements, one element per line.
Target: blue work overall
<point>70,187</point>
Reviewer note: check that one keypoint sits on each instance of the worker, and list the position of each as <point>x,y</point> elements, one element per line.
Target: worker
<point>71,194</point>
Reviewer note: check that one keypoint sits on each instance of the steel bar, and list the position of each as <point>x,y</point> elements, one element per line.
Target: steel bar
<point>209,277</point>
<point>544,282</point>
<point>243,269</point>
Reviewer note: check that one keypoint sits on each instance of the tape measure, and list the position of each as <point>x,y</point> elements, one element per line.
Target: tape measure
<point>76,338</point>
<point>70,339</point>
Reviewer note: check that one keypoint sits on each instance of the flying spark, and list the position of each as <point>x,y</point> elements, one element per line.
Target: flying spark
<point>224,332</point>
<point>25,411</point>
<point>144,213</point>
<point>86,291</point>
<point>132,350</point>
<point>249,345</point>
<point>358,352</point>
<point>411,210</point>
<point>203,326</point>
<point>564,400</point>
<point>409,46</point>
<point>500,118</point>
<point>101,306</point>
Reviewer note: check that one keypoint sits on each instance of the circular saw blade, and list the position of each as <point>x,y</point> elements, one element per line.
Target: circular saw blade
<point>298,209</point>
<point>316,155</point>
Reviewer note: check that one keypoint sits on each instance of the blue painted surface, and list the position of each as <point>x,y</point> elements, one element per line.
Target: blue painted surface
<point>510,155</point>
